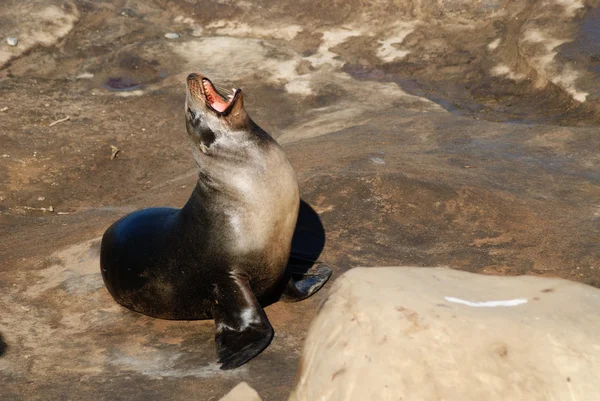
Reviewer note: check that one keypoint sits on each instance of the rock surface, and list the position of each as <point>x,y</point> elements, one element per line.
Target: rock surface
<point>432,333</point>
<point>431,133</point>
<point>34,23</point>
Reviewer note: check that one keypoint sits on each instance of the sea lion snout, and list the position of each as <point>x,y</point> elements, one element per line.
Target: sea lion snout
<point>209,107</point>
<point>210,96</point>
<point>195,76</point>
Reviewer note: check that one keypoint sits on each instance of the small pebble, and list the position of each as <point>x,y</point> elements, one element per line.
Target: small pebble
<point>171,35</point>
<point>128,12</point>
<point>12,41</point>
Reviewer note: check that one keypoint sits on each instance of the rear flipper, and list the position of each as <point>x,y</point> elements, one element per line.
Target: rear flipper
<point>302,286</point>
<point>243,330</point>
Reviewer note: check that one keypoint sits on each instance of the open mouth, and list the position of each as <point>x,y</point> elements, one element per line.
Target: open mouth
<point>214,99</point>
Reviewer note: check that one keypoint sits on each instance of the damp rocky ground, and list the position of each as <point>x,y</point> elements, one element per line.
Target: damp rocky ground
<point>433,133</point>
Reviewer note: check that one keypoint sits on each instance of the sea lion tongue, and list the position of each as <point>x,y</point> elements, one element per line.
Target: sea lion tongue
<point>213,97</point>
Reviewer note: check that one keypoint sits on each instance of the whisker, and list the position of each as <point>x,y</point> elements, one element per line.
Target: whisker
<point>207,72</point>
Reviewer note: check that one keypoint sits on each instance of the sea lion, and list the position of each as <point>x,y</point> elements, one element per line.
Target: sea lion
<point>224,254</point>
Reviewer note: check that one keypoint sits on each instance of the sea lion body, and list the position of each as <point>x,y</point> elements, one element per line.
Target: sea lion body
<point>225,252</point>
<point>164,262</point>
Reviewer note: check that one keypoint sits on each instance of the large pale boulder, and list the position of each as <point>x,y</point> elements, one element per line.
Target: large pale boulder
<point>242,392</point>
<point>439,334</point>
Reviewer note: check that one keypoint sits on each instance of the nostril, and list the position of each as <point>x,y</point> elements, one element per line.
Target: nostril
<point>192,75</point>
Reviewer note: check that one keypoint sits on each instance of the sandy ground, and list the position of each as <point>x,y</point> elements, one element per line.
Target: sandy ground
<point>461,135</point>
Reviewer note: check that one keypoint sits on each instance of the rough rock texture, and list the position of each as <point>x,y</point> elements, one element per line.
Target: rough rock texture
<point>432,333</point>
<point>433,133</point>
<point>34,23</point>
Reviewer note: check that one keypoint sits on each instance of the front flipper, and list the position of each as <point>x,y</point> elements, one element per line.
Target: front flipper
<point>304,285</point>
<point>243,329</point>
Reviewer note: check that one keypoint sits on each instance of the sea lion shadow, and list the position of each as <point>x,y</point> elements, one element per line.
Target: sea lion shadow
<point>307,244</point>
<point>3,345</point>
<point>308,241</point>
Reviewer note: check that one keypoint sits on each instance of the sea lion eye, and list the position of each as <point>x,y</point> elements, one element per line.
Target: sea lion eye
<point>192,114</point>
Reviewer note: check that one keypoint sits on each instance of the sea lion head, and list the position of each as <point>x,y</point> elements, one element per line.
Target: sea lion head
<point>209,114</point>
